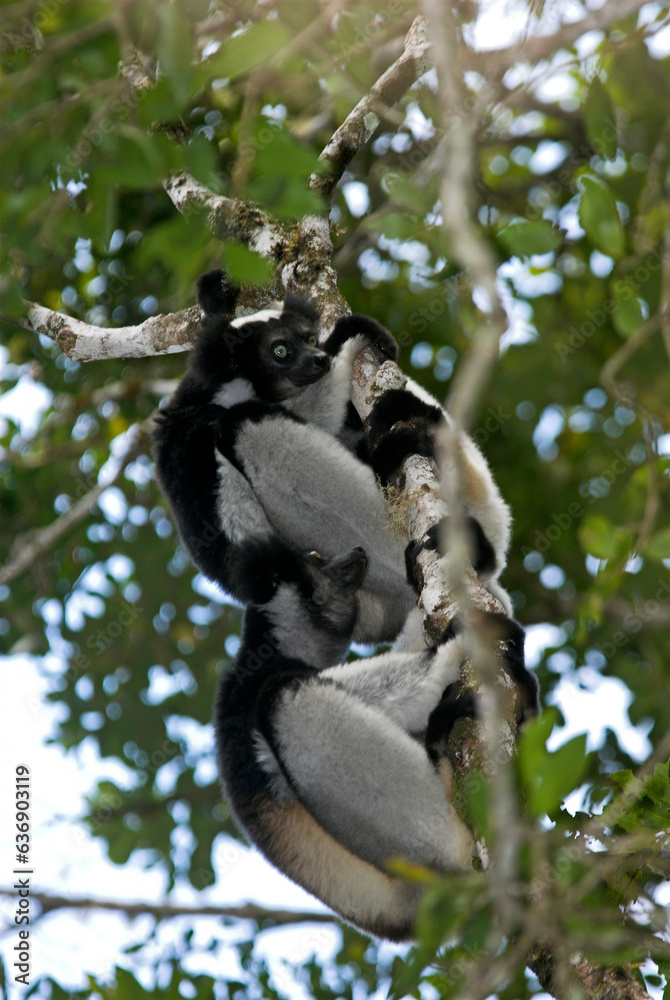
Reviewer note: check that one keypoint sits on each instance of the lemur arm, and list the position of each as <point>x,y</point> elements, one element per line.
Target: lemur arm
<point>343,759</point>
<point>327,402</point>
<point>404,686</point>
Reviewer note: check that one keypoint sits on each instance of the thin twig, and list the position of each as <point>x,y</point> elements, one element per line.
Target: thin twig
<point>45,539</point>
<point>629,347</point>
<point>494,63</point>
<point>249,911</point>
<point>665,274</point>
<point>361,123</point>
<point>457,162</point>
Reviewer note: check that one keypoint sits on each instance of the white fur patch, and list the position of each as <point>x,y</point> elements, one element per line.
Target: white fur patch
<point>237,391</point>
<point>260,317</point>
<point>239,513</point>
<point>325,401</point>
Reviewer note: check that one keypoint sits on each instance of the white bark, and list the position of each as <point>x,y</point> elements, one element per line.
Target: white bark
<point>362,122</point>
<point>82,342</point>
<point>448,583</point>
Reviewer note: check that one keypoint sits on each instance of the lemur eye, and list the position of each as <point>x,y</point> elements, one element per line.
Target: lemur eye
<point>312,341</point>
<point>280,350</point>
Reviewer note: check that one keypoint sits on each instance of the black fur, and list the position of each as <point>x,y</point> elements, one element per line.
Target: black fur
<point>379,339</point>
<point>237,381</point>
<point>298,787</point>
<point>453,705</point>
<point>216,295</point>
<point>400,424</point>
<point>482,555</point>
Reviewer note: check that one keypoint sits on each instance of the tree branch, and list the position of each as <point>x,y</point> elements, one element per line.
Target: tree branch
<point>361,123</point>
<point>418,505</point>
<point>494,63</point>
<point>456,160</point>
<point>250,911</point>
<point>228,218</point>
<point>80,341</point>
<point>449,587</point>
<point>596,982</point>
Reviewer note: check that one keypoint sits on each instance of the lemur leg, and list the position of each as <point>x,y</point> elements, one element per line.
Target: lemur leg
<point>362,776</point>
<point>454,705</point>
<point>405,686</point>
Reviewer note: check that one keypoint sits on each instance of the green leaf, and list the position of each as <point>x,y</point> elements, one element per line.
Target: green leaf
<point>622,778</point>
<point>278,154</point>
<point>244,267</point>
<point>532,749</point>
<point>525,238</point>
<point>156,103</point>
<point>561,773</point>
<point>647,800</point>
<point>599,120</point>
<point>248,50</point>
<point>127,987</point>
<point>659,546</point>
<point>179,243</point>
<point>657,785</point>
<point>549,777</point>
<point>596,536</point>
<point>628,316</point>
<point>132,161</point>
<point>173,47</point>
<point>200,158</point>
<point>599,217</point>
<point>13,303</point>
<point>281,168</point>
<point>285,197</point>
<point>404,192</point>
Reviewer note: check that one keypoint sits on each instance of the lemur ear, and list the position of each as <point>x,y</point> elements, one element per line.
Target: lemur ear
<point>216,295</point>
<point>303,306</point>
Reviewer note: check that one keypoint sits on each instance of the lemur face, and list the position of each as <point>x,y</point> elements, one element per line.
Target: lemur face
<point>276,351</point>
<point>287,356</point>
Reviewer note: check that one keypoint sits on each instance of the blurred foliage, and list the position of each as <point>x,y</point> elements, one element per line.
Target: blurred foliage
<point>101,102</point>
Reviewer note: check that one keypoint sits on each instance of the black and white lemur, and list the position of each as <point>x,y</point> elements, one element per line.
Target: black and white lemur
<point>260,454</point>
<point>262,459</point>
<point>320,760</point>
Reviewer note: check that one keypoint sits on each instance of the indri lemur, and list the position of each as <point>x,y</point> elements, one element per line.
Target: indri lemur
<point>260,454</point>
<point>318,761</point>
<point>321,763</point>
